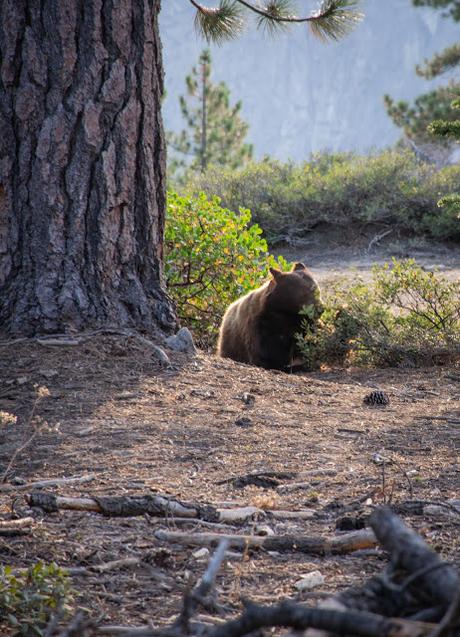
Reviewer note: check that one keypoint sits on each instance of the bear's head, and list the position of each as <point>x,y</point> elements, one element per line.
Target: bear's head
<point>289,292</point>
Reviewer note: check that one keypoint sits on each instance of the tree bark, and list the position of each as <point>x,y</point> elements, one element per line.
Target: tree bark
<point>82,166</point>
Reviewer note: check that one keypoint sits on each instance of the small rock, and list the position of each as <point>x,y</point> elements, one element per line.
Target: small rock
<point>22,380</point>
<point>160,355</point>
<point>49,373</point>
<point>309,581</point>
<point>201,553</point>
<point>248,399</point>
<point>182,341</point>
<point>136,484</point>
<point>202,393</point>
<point>244,421</point>
<point>263,529</point>
<point>378,459</point>
<point>18,480</point>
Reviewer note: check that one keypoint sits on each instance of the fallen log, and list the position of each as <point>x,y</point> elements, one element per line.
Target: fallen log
<point>313,545</point>
<point>155,506</point>
<point>124,506</point>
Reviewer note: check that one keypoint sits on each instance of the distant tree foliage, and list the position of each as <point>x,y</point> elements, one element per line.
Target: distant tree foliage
<point>415,119</point>
<point>452,6</point>
<point>445,127</point>
<point>440,63</point>
<point>215,132</point>
<point>450,129</point>
<point>435,105</point>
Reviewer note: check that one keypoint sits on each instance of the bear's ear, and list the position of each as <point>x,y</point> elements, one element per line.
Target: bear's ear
<point>276,274</point>
<point>298,266</point>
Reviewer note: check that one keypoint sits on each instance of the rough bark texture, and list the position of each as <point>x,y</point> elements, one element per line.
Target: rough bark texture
<point>82,192</point>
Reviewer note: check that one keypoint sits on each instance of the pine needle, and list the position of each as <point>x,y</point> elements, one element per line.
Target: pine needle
<point>335,19</point>
<point>277,18</point>
<point>221,23</point>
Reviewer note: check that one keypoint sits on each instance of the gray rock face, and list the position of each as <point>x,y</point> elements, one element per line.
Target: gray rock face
<point>300,95</point>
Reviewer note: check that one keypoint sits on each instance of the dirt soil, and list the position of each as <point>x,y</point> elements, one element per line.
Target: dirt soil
<point>333,253</point>
<point>139,428</point>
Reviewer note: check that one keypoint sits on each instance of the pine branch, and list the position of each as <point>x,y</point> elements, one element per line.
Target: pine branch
<point>218,24</point>
<point>440,63</point>
<point>445,129</point>
<point>276,16</point>
<point>333,20</point>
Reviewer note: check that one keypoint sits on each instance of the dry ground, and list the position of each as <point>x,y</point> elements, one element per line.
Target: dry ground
<point>348,252</point>
<point>140,428</point>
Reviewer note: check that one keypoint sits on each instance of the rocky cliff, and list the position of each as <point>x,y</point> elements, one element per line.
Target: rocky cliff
<point>300,95</point>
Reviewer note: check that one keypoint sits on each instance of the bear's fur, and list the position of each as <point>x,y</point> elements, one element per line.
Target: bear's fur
<point>259,327</point>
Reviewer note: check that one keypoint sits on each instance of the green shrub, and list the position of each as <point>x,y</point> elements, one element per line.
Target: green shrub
<point>212,257</point>
<point>288,200</point>
<point>29,598</point>
<point>406,316</point>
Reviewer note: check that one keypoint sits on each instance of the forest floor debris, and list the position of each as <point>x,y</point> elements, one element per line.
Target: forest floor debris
<point>136,427</point>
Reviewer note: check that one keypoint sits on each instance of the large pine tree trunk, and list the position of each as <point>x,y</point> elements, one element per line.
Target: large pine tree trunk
<point>82,191</point>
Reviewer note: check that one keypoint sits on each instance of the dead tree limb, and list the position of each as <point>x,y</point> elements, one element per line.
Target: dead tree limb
<point>124,506</point>
<point>203,588</point>
<point>153,505</point>
<point>16,527</point>
<point>440,581</point>
<point>289,614</point>
<point>313,545</point>
<point>51,482</point>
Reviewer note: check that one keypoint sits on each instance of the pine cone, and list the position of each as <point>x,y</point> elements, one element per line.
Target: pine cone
<point>376,398</point>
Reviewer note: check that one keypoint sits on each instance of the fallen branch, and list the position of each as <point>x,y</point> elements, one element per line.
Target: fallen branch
<point>437,579</point>
<point>123,506</point>
<point>272,479</point>
<point>50,482</point>
<point>16,527</point>
<point>313,545</point>
<point>153,505</point>
<point>292,615</point>
<point>203,588</point>
<point>115,564</point>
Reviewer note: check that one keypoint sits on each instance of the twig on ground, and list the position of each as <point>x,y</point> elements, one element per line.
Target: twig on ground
<point>42,392</point>
<point>49,482</point>
<point>193,599</point>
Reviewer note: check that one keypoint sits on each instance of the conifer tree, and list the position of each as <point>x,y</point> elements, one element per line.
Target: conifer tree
<point>447,128</point>
<point>215,132</point>
<point>451,130</point>
<point>435,105</point>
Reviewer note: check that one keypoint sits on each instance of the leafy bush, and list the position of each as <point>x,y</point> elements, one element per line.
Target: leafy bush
<point>288,200</point>
<point>212,257</point>
<point>406,316</point>
<point>30,597</point>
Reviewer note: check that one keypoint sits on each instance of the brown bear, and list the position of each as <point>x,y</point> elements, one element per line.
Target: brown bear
<point>259,328</point>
